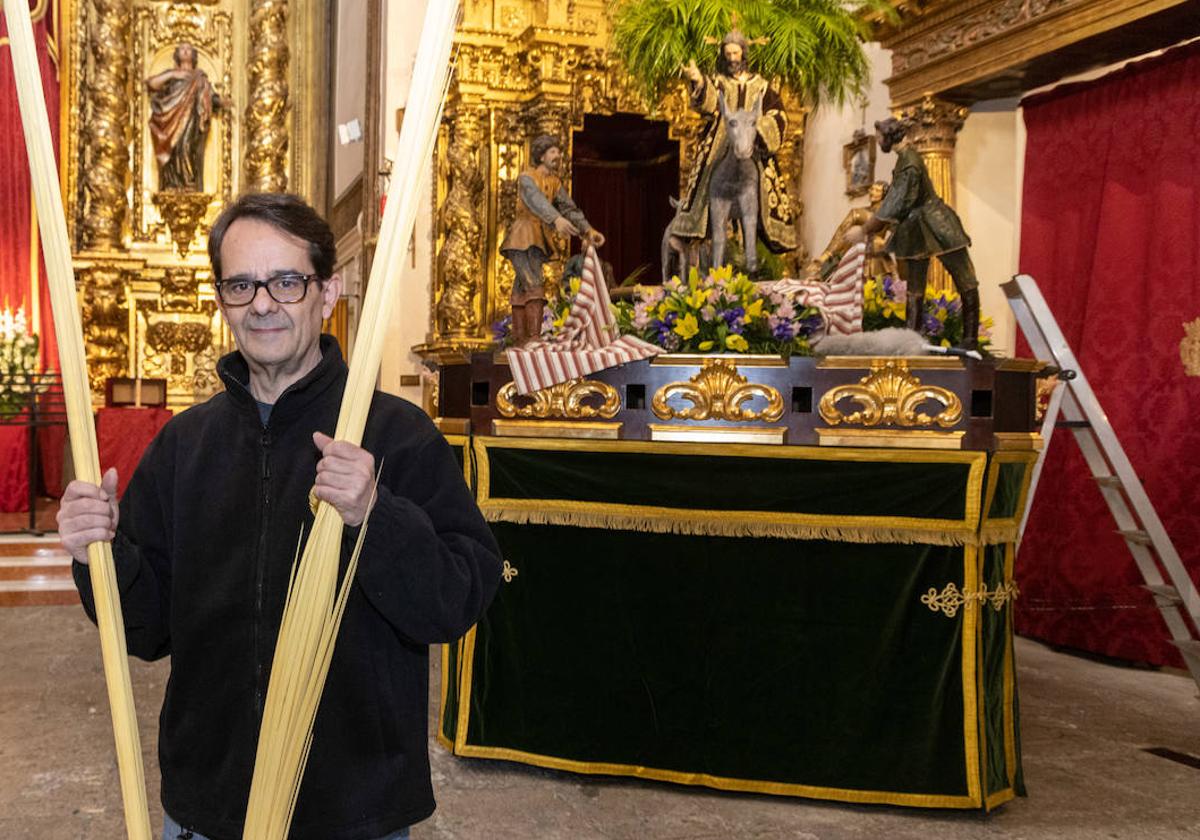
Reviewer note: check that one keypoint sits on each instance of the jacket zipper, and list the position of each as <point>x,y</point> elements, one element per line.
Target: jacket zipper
<point>261,572</point>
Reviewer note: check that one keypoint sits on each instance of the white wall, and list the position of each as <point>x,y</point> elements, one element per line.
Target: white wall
<point>829,129</point>
<point>988,164</point>
<point>349,90</point>
<point>402,20</point>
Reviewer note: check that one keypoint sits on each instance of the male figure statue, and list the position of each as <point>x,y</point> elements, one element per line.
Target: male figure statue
<point>924,227</point>
<point>182,102</point>
<point>543,210</point>
<point>740,89</point>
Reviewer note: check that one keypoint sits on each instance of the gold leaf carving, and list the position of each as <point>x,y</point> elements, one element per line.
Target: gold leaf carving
<point>562,400</point>
<point>1189,348</point>
<point>717,392</point>
<point>106,162</point>
<point>890,395</point>
<point>183,212</point>
<point>265,163</point>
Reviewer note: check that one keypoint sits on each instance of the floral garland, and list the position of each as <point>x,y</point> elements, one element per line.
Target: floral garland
<point>721,312</point>
<point>725,312</point>
<point>884,306</point>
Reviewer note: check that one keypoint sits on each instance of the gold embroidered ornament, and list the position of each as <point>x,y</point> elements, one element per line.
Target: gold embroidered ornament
<point>1189,348</point>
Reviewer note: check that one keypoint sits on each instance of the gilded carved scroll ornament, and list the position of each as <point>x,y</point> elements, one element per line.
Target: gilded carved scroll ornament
<point>565,400</point>
<point>717,392</point>
<point>890,395</point>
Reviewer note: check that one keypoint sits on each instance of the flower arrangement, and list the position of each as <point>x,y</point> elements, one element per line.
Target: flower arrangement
<point>18,361</point>
<point>719,313</point>
<point>884,305</point>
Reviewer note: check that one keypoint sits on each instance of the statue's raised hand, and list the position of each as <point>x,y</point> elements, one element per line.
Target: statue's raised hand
<point>691,72</point>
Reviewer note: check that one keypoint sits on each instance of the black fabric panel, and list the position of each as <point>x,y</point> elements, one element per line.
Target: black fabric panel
<point>993,635</point>
<point>806,662</point>
<point>791,485</point>
<point>1008,491</point>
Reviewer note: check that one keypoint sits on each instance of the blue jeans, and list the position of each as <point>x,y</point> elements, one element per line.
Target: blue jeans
<point>173,831</point>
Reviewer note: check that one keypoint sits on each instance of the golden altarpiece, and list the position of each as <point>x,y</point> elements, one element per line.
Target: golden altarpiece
<point>139,248</point>
<point>529,68</point>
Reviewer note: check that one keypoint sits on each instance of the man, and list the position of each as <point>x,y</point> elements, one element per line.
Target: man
<point>923,227</point>
<point>182,102</point>
<point>741,89</point>
<point>206,532</point>
<point>544,209</point>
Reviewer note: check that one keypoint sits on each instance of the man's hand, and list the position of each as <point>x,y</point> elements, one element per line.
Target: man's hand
<point>88,514</point>
<point>564,227</point>
<point>691,72</point>
<point>595,238</point>
<point>345,478</point>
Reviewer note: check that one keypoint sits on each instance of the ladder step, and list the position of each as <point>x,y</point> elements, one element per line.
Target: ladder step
<point>1108,481</point>
<point>1073,424</point>
<point>1165,595</point>
<point>1139,537</point>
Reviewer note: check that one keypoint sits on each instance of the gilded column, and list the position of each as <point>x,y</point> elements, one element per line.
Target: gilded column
<point>265,166</point>
<point>460,261</point>
<point>936,124</point>
<point>107,154</point>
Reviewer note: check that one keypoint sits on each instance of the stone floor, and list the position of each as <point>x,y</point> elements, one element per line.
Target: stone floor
<point>1086,727</point>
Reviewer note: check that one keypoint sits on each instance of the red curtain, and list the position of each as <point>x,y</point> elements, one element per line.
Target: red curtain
<point>1111,232</point>
<point>22,269</point>
<point>19,258</point>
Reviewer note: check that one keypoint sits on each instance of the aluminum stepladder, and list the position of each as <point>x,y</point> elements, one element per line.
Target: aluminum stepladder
<point>1166,577</point>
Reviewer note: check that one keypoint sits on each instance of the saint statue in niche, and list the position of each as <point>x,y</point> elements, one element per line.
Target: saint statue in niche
<point>182,101</point>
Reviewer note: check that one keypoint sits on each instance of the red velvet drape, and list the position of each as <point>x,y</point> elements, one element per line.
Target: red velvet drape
<point>22,269</point>
<point>16,202</point>
<point>1111,233</point>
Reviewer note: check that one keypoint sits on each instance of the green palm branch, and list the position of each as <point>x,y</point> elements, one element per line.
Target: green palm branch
<point>813,47</point>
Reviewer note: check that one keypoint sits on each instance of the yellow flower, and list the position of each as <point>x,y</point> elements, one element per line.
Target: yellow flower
<point>706,346</point>
<point>575,283</point>
<point>737,343</point>
<point>697,298</point>
<point>753,311</point>
<point>686,326</point>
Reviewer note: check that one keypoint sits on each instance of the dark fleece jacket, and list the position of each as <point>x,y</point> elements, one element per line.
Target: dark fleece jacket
<point>208,530</point>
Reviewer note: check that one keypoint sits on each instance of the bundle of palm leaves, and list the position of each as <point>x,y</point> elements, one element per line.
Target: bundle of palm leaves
<point>812,47</point>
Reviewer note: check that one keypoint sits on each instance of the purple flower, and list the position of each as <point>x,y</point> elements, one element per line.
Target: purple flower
<point>501,329</point>
<point>931,326</point>
<point>808,325</point>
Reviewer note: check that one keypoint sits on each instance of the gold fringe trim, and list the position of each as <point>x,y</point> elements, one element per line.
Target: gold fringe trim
<point>998,534</point>
<point>729,525</point>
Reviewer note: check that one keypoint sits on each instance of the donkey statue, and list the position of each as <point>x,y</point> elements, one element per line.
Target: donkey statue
<point>684,252</point>
<point>734,183</point>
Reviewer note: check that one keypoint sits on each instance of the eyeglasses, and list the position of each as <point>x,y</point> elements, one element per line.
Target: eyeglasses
<point>283,288</point>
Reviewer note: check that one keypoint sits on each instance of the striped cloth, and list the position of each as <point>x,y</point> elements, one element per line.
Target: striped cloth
<point>589,340</point>
<point>839,299</point>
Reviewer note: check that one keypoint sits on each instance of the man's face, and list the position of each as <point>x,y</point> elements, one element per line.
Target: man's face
<point>552,158</point>
<point>272,334</point>
<point>733,56</point>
